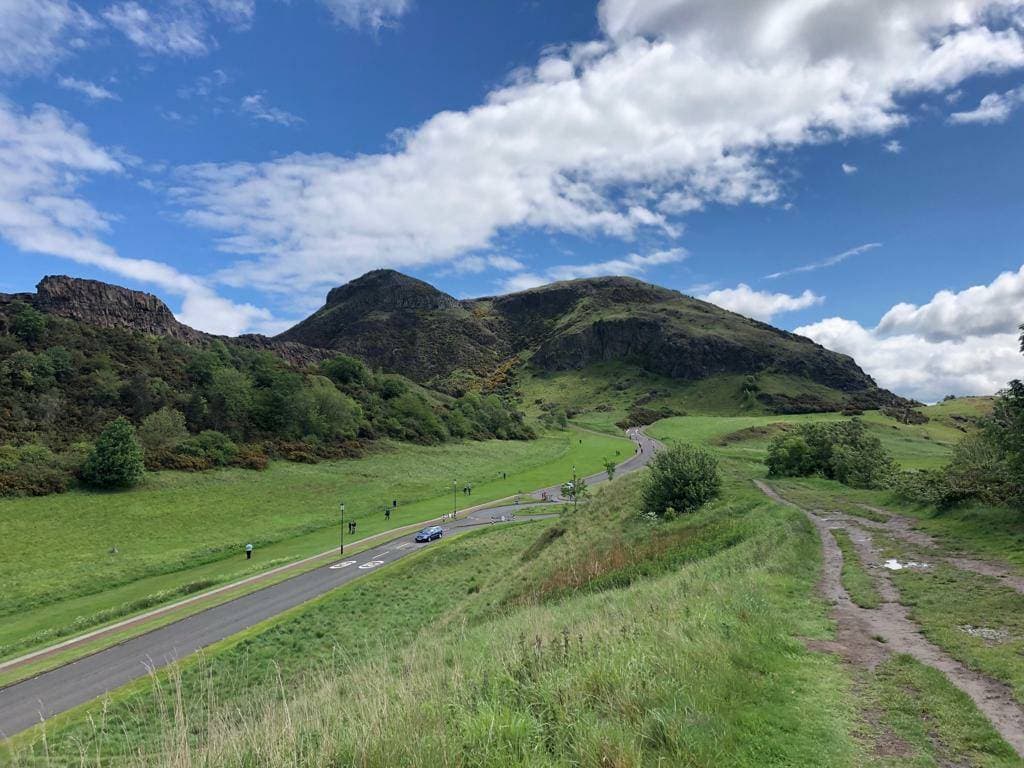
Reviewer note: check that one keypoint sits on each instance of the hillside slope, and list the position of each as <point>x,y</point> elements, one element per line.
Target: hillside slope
<point>405,325</point>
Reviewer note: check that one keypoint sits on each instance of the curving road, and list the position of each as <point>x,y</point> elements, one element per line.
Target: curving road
<point>28,703</point>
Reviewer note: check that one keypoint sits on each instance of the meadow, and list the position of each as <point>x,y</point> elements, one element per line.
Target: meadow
<point>179,533</point>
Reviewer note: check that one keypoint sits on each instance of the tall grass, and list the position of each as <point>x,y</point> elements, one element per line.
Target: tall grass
<point>694,664</point>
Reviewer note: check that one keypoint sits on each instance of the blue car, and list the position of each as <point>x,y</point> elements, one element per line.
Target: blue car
<point>429,534</point>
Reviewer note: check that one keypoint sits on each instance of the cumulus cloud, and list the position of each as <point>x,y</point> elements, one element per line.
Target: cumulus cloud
<point>44,158</point>
<point>893,147</point>
<point>761,305</point>
<point>475,265</point>
<point>981,310</point>
<point>849,169</point>
<point>633,264</point>
<point>370,14</point>
<point>256,106</point>
<point>831,261</point>
<point>35,35</point>
<point>962,343</point>
<point>680,104</point>
<point>88,89</point>
<point>994,108</point>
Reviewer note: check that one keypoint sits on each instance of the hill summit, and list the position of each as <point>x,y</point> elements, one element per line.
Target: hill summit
<point>402,324</point>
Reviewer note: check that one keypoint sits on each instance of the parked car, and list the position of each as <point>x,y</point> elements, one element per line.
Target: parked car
<point>429,534</point>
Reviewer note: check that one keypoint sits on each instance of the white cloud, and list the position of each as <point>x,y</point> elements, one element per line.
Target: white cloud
<point>205,85</point>
<point>831,261</point>
<point>476,265</point>
<point>963,343</point>
<point>761,305</point>
<point>256,106</point>
<point>44,158</point>
<point>87,89</point>
<point>372,14</point>
<point>981,310</point>
<point>893,147</point>
<point>179,29</point>
<point>849,169</point>
<point>633,264</point>
<point>689,102</point>
<point>35,34</point>
<point>994,108</point>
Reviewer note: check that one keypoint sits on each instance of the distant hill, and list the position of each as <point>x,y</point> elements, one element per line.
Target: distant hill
<point>401,324</point>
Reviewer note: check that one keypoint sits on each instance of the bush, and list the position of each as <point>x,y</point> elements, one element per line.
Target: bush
<point>681,478</point>
<point>215,447</point>
<point>162,431</point>
<point>842,451</point>
<point>116,461</point>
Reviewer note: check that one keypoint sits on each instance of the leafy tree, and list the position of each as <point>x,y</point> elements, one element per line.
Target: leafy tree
<point>230,397</point>
<point>28,324</point>
<point>345,370</point>
<point>327,413</point>
<point>116,461</point>
<point>682,478</point>
<point>843,451</point>
<point>162,431</point>
<point>609,468</point>
<point>790,456</point>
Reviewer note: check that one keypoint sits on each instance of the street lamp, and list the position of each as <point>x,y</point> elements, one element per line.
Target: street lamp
<point>455,501</point>
<point>341,548</point>
<point>575,490</point>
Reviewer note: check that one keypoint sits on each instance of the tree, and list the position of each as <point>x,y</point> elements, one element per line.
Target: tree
<point>116,461</point>
<point>28,324</point>
<point>609,468</point>
<point>789,456</point>
<point>162,431</point>
<point>682,478</point>
<point>345,370</point>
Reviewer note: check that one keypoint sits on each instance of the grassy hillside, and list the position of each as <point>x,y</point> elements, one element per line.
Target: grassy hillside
<point>602,638</point>
<point>180,530</point>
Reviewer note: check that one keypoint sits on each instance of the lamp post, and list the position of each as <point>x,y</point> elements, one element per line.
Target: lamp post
<point>341,548</point>
<point>575,490</point>
<point>455,501</point>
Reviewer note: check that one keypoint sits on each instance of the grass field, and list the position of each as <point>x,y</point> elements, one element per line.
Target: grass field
<point>181,532</point>
<point>473,649</point>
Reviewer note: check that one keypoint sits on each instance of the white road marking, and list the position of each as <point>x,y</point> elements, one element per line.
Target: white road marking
<point>371,564</point>
<point>345,564</point>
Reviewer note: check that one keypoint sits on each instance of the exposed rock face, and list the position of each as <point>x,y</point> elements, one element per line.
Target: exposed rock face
<point>109,306</point>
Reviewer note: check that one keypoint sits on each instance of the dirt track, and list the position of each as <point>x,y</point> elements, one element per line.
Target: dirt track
<point>867,637</point>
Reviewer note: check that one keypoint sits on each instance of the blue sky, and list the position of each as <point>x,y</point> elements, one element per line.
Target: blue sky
<point>852,173</point>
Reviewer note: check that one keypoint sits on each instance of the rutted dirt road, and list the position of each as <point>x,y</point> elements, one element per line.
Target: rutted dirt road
<point>868,636</point>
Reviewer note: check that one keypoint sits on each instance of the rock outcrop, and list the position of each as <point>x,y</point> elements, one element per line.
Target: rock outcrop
<point>109,306</point>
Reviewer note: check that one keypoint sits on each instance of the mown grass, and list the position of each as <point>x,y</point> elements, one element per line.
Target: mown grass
<point>181,529</point>
<point>857,581</point>
<point>693,662</point>
<point>915,718</point>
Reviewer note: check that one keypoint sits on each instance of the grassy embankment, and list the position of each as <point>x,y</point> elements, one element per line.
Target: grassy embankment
<point>602,638</point>
<point>180,533</point>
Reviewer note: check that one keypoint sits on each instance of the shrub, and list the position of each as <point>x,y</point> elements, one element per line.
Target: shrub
<point>116,461</point>
<point>681,478</point>
<point>162,431</point>
<point>215,447</point>
<point>842,451</point>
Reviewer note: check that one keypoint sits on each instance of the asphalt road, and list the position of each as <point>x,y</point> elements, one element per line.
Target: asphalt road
<point>28,703</point>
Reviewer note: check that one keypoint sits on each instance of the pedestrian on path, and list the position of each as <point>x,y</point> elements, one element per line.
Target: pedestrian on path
<point>387,513</point>
<point>248,551</point>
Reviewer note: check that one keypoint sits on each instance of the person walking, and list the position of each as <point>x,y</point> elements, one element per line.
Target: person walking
<point>387,513</point>
<point>248,551</point>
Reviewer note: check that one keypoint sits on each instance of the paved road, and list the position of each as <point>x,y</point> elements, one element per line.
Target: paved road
<point>25,704</point>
